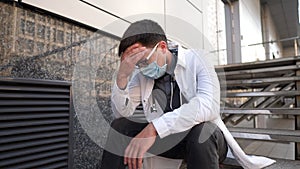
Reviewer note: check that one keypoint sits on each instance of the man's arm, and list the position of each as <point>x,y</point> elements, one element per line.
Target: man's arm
<point>125,95</point>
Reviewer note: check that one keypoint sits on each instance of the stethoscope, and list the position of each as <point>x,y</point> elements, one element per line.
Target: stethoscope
<point>153,107</point>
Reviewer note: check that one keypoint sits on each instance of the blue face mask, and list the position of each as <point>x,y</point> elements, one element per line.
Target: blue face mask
<point>153,70</point>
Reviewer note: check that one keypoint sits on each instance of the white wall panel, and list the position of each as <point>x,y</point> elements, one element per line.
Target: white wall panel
<point>185,21</point>
<point>188,28</point>
<point>130,7</point>
<point>83,13</point>
<point>198,3</point>
<point>251,30</point>
<point>133,10</point>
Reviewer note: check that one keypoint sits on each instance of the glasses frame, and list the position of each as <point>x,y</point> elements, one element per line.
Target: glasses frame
<point>144,63</point>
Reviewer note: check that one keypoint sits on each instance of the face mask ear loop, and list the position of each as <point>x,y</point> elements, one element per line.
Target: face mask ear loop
<point>153,50</point>
<point>166,58</point>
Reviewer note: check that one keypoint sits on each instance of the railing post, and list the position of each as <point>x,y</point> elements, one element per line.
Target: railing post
<point>296,47</point>
<point>297,118</point>
<point>233,31</point>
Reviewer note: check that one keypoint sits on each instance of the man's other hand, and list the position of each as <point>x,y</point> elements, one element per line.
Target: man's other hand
<point>138,146</point>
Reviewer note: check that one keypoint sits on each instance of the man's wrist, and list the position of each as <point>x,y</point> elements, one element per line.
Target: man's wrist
<point>152,129</point>
<point>122,81</point>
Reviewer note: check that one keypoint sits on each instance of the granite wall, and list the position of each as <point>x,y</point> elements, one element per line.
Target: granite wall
<point>40,45</point>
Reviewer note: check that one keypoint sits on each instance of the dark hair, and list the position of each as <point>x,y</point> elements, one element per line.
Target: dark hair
<point>147,40</point>
<point>146,32</point>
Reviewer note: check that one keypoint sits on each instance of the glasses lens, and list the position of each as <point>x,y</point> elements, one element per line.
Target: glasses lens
<point>142,63</point>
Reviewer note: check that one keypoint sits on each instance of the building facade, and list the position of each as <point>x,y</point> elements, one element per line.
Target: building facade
<point>77,40</point>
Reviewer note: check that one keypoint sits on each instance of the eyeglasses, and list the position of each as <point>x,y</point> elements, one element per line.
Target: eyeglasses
<point>144,62</point>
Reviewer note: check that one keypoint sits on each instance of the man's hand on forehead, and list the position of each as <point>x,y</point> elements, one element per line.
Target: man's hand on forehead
<point>132,50</point>
<point>129,59</point>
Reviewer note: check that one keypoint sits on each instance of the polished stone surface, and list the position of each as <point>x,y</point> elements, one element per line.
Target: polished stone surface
<point>40,46</point>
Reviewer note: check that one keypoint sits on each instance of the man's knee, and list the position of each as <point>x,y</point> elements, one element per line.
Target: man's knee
<point>126,126</point>
<point>207,138</point>
<point>203,132</point>
<point>119,125</point>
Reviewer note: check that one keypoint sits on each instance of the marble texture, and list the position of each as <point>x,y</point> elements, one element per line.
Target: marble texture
<point>40,46</point>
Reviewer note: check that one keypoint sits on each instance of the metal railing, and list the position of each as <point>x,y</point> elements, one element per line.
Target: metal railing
<point>258,90</point>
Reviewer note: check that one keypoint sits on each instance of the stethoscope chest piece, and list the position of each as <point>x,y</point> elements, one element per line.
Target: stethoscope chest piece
<point>153,108</point>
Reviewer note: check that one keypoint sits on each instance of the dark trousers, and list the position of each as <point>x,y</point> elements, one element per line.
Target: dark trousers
<point>202,147</point>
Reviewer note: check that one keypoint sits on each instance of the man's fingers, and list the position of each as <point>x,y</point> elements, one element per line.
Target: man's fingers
<point>132,155</point>
<point>134,57</point>
<point>125,160</point>
<point>130,48</point>
<point>133,161</point>
<point>136,150</point>
<point>137,57</point>
<point>129,164</point>
<point>126,156</point>
<point>127,52</point>
<point>137,50</point>
<point>140,160</point>
<point>140,163</point>
<point>134,158</point>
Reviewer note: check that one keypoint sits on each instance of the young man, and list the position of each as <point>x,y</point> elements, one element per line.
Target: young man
<point>180,96</point>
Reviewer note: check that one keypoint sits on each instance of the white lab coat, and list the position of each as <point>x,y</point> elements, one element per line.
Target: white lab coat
<point>199,84</point>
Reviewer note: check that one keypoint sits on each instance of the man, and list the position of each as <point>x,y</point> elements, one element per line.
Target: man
<point>179,93</point>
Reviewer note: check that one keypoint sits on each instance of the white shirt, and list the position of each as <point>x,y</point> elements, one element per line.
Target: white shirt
<point>199,84</point>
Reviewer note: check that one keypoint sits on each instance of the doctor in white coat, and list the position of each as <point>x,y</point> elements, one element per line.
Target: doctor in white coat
<point>180,95</point>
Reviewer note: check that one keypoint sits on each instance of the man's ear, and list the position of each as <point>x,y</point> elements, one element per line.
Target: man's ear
<point>163,45</point>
